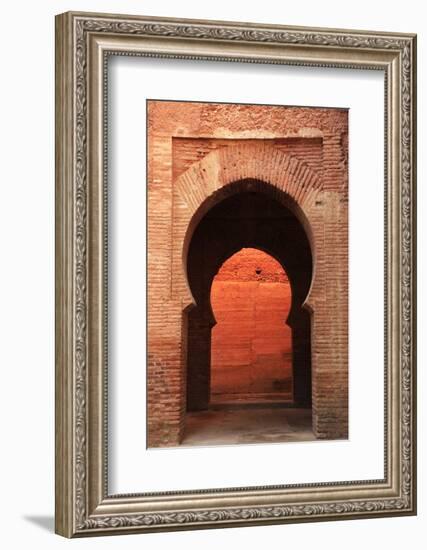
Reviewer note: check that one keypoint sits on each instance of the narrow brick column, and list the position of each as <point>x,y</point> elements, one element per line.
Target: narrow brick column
<point>198,358</point>
<point>166,325</point>
<point>330,349</point>
<point>166,389</point>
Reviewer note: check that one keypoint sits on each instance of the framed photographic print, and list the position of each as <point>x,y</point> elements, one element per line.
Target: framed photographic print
<point>235,274</point>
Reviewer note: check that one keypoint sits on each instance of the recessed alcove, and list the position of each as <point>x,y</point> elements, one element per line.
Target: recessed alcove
<point>248,333</point>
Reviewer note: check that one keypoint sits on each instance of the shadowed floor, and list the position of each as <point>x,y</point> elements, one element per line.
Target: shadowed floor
<point>228,425</point>
<point>219,400</point>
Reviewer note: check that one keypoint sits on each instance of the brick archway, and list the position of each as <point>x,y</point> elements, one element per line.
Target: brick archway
<point>262,167</point>
<point>225,172</point>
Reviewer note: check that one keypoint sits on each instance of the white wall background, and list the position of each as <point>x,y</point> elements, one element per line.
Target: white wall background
<point>27,274</point>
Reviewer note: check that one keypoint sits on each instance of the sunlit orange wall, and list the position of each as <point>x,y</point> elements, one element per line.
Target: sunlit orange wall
<point>251,343</point>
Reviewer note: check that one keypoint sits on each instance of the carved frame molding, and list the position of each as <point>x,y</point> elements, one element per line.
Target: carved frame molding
<point>83,43</point>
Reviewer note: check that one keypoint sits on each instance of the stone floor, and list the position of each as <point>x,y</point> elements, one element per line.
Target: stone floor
<point>231,424</point>
<point>285,398</point>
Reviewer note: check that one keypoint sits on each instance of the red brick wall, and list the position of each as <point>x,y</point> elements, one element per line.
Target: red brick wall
<point>198,155</point>
<point>251,349</point>
<point>186,151</point>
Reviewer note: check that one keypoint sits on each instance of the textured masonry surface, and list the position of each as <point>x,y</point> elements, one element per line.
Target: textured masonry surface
<point>202,154</point>
<point>251,347</point>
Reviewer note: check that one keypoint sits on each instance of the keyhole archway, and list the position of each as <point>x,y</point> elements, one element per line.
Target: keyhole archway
<point>252,219</point>
<point>300,162</point>
<point>251,347</point>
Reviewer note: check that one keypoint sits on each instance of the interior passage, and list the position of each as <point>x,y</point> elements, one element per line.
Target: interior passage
<point>251,351</point>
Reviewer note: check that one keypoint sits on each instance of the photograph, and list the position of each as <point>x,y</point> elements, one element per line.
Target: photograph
<point>235,273</point>
<point>248,310</point>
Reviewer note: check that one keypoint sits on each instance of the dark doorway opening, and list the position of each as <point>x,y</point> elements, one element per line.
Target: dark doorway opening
<point>249,220</point>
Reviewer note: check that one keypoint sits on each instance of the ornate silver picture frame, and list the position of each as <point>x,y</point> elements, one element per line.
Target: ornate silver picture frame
<point>84,43</point>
